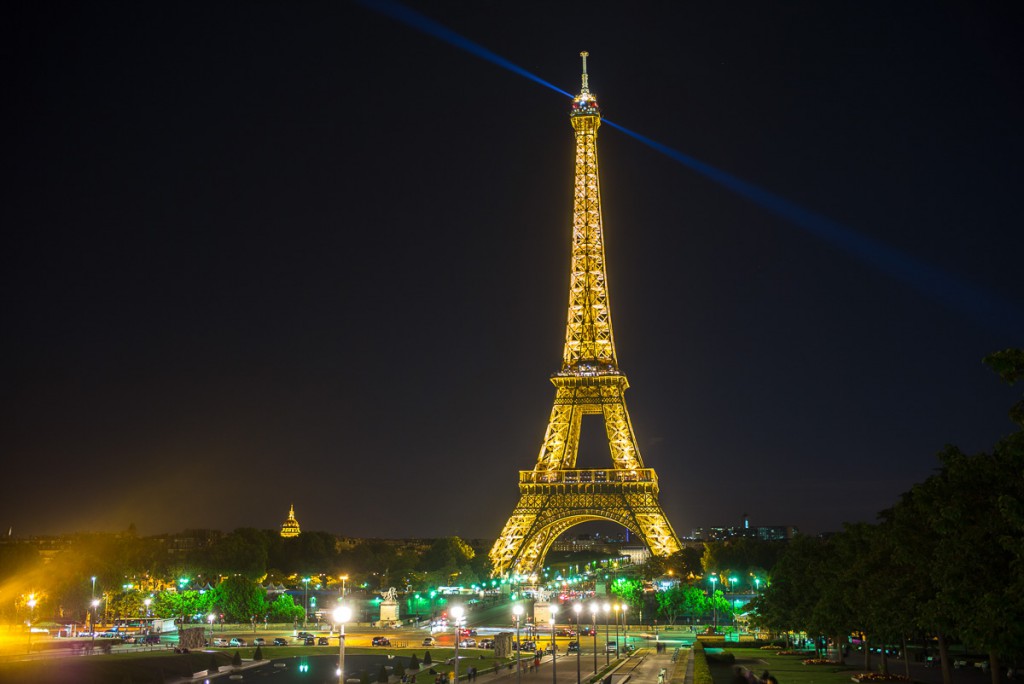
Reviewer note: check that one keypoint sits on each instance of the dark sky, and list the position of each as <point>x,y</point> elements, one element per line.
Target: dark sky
<point>260,253</point>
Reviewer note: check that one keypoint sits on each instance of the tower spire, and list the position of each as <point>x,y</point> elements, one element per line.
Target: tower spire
<point>586,85</point>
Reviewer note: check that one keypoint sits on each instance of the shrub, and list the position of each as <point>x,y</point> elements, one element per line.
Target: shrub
<point>426,659</point>
<point>237,659</point>
<point>723,658</point>
<point>414,662</point>
<point>701,671</point>
<point>258,655</point>
<point>399,669</point>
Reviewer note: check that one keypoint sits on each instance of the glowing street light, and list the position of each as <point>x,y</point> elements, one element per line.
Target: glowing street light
<point>517,611</point>
<point>607,609</point>
<point>305,602</point>
<point>95,605</point>
<point>342,614</point>
<point>148,602</point>
<point>94,586</point>
<point>714,604</point>
<point>554,647</point>
<point>593,614</point>
<point>457,613</point>
<point>31,615</point>
<point>578,608</point>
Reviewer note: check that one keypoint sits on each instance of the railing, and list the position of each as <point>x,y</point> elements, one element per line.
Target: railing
<point>587,476</point>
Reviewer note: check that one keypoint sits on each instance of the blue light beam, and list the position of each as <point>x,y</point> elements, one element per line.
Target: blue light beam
<point>410,17</point>
<point>980,304</point>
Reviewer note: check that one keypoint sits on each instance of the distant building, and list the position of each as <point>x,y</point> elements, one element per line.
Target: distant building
<point>763,533</point>
<point>290,528</point>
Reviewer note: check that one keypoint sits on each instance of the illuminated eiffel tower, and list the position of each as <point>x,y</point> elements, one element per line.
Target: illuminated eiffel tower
<point>555,496</point>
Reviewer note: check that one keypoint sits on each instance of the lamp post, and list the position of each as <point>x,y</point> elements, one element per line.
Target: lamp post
<point>625,629</point>
<point>593,614</point>
<point>343,579</point>
<point>457,613</point>
<point>211,617</point>
<point>554,648</point>
<point>305,602</point>
<point>147,603</point>
<point>714,605</point>
<point>517,611</point>
<point>607,610</point>
<point>616,608</point>
<point>94,586</point>
<point>579,646</point>
<point>95,603</point>
<point>342,614</point>
<point>31,615</point>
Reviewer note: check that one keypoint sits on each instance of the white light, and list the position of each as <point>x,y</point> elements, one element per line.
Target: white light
<point>342,614</point>
<point>517,610</point>
<point>456,612</point>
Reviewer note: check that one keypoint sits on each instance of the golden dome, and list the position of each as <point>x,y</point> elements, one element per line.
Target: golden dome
<point>290,528</point>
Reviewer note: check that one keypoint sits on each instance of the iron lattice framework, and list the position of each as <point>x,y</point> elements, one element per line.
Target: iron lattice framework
<point>554,496</point>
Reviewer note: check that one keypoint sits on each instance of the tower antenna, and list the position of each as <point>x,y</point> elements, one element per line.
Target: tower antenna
<point>586,85</point>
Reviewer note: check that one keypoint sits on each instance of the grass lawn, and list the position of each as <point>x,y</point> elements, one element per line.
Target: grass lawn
<point>786,669</point>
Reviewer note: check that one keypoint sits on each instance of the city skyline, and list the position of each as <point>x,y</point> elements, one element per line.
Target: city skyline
<point>266,255</point>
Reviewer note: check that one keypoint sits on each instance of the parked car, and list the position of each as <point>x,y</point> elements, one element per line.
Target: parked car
<point>611,647</point>
<point>238,641</point>
<point>259,641</point>
<point>280,642</point>
<point>384,641</point>
<point>310,640</point>
<point>429,641</point>
<point>322,641</point>
<point>529,646</point>
<point>574,647</point>
<point>487,643</point>
<point>303,635</point>
<point>467,643</point>
<point>220,642</point>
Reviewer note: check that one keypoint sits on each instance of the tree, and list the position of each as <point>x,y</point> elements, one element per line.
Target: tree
<point>240,598</point>
<point>426,658</point>
<point>284,609</point>
<point>382,675</point>
<point>414,662</point>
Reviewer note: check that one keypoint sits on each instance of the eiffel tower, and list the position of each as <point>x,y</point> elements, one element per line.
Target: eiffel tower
<point>555,496</point>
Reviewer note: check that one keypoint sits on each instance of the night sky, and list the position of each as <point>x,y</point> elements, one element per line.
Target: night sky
<point>258,254</point>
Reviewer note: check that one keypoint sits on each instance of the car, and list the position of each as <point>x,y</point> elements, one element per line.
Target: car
<point>322,641</point>
<point>429,641</point>
<point>280,642</point>
<point>310,640</point>
<point>611,647</point>
<point>220,642</point>
<point>303,635</point>
<point>384,641</point>
<point>238,641</point>
<point>529,646</point>
<point>574,647</point>
<point>467,643</point>
<point>487,643</point>
<point>259,641</point>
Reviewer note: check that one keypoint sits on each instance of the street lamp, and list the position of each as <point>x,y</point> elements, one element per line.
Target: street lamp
<point>616,608</point>
<point>593,614</point>
<point>457,612</point>
<point>714,605</point>
<point>607,610</point>
<point>342,614</point>
<point>94,586</point>
<point>95,604</point>
<point>579,646</point>
<point>305,602</point>
<point>343,579</point>
<point>147,602</point>
<point>517,611</point>
<point>31,615</point>
<point>211,617</point>
<point>554,648</point>
<point>625,629</point>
